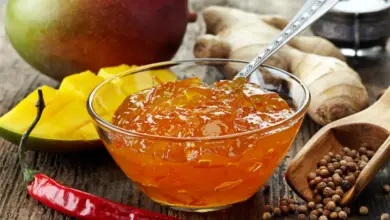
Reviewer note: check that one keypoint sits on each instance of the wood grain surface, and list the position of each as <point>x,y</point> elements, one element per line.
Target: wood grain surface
<point>96,173</point>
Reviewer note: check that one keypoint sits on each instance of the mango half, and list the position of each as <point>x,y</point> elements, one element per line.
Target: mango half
<point>65,124</point>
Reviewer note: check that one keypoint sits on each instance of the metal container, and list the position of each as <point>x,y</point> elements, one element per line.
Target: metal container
<point>357,27</point>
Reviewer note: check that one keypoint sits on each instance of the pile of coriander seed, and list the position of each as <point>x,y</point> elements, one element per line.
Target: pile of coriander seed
<point>334,176</point>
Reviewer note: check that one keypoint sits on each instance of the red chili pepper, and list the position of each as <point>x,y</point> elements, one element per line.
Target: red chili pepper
<point>75,202</point>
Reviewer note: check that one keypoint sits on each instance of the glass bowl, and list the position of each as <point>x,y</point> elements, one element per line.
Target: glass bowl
<point>203,173</point>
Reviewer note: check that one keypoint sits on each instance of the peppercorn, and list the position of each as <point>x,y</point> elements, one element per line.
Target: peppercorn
<point>284,210</point>
<point>267,208</point>
<point>277,212</point>
<point>291,207</point>
<point>311,205</point>
<point>267,215</point>
<point>385,216</point>
<point>386,187</point>
<point>333,215</point>
<point>327,192</point>
<point>302,209</point>
<point>324,172</point>
<point>346,185</point>
<point>321,186</point>
<point>301,217</point>
<point>336,198</point>
<point>330,206</point>
<point>331,185</point>
<point>343,215</point>
<point>311,176</point>
<point>313,217</point>
<point>363,210</point>
<point>347,210</point>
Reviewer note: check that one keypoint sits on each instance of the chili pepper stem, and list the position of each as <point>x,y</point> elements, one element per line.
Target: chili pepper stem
<point>28,174</point>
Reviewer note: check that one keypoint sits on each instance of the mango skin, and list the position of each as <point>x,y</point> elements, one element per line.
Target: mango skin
<point>50,145</point>
<point>61,37</point>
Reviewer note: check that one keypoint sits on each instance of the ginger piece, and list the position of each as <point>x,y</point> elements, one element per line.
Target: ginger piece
<point>336,89</point>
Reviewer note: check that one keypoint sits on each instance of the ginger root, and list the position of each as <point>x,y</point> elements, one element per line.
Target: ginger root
<point>336,89</point>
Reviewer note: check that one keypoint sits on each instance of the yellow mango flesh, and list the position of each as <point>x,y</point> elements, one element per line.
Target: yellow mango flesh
<point>65,122</point>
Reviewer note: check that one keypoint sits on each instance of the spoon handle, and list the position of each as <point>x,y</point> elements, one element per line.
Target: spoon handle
<point>310,12</point>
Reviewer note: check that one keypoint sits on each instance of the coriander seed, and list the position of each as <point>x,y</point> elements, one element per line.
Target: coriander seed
<point>311,176</point>
<point>311,205</point>
<point>386,187</point>
<point>324,172</point>
<point>339,192</point>
<point>314,212</point>
<point>385,216</point>
<point>277,212</point>
<point>328,192</point>
<point>290,201</point>
<point>342,215</point>
<point>331,185</point>
<point>267,215</point>
<point>336,198</point>
<point>370,153</point>
<point>326,213</point>
<point>321,186</point>
<point>291,207</point>
<point>313,217</point>
<point>347,210</point>
<point>333,215</point>
<point>284,210</point>
<point>363,210</point>
<point>322,162</point>
<point>302,209</point>
<point>301,217</point>
<point>330,206</point>
<point>283,203</point>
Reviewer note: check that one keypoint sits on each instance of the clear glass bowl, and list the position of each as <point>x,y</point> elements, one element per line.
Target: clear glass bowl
<point>205,173</point>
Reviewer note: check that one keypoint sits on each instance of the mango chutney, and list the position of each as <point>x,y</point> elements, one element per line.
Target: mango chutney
<point>212,159</point>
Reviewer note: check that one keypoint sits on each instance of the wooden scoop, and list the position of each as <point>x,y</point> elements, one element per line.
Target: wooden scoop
<point>370,126</point>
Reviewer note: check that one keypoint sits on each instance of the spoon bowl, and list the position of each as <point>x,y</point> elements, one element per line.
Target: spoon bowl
<point>371,127</point>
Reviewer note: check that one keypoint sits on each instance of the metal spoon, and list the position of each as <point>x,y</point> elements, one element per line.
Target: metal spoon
<point>310,12</point>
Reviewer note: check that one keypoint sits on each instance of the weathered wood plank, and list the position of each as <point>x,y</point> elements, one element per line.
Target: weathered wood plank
<point>95,172</point>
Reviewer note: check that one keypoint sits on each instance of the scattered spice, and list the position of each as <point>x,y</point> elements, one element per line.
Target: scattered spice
<point>267,215</point>
<point>302,217</point>
<point>333,215</point>
<point>284,210</point>
<point>302,209</point>
<point>323,217</point>
<point>386,187</point>
<point>385,216</point>
<point>311,205</point>
<point>291,207</point>
<point>363,210</point>
<point>277,212</point>
<point>342,215</point>
<point>313,217</point>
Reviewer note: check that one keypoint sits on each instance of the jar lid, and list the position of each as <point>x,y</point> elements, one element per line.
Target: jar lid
<point>361,6</point>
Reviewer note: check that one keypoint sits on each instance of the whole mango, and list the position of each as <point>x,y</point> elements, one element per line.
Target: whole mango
<point>61,37</point>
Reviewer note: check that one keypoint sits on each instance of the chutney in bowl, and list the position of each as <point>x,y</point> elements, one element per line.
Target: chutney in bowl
<point>209,160</point>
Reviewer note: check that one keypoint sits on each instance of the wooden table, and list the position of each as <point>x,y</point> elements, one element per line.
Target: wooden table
<point>97,173</point>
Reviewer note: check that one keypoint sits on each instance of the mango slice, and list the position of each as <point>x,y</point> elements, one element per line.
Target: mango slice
<point>65,124</point>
